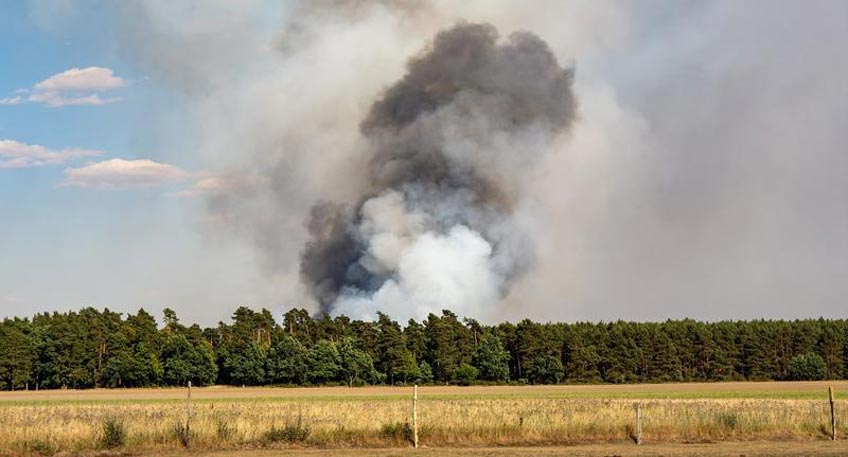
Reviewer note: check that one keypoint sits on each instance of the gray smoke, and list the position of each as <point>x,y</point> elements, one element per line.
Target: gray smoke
<point>448,145</point>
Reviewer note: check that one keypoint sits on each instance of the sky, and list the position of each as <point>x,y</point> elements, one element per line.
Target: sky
<point>106,239</point>
<point>167,153</point>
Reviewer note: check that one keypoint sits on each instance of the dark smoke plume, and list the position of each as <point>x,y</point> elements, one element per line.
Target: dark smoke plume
<point>449,142</point>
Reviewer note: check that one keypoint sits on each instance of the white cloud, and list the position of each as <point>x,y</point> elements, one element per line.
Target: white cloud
<point>221,184</point>
<point>77,86</point>
<point>113,173</point>
<point>14,154</point>
<point>82,79</point>
<point>57,99</point>
<point>120,173</point>
<point>11,100</point>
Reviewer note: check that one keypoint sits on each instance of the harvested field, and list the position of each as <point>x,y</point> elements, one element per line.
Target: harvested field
<point>151,420</point>
<point>787,390</point>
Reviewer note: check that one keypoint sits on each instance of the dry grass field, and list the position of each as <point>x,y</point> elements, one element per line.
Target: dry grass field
<point>240,419</point>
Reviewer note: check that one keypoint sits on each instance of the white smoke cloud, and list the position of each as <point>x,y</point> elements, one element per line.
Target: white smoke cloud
<point>434,272</point>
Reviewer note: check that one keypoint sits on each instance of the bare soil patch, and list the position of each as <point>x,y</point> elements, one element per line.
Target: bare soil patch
<point>724,449</point>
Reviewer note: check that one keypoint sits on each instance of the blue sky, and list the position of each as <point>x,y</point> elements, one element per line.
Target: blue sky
<point>67,246</point>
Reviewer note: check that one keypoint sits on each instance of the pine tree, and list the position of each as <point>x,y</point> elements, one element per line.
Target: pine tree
<point>491,359</point>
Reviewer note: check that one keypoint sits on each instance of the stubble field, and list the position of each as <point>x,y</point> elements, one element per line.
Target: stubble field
<point>771,417</point>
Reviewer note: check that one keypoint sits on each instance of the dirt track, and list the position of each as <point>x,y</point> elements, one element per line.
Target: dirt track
<point>747,449</point>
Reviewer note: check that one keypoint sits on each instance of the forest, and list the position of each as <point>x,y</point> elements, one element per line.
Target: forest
<point>92,348</point>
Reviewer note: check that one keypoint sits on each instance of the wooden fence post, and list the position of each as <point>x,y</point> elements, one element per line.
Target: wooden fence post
<point>415,416</point>
<point>188,416</point>
<point>638,424</point>
<point>832,414</point>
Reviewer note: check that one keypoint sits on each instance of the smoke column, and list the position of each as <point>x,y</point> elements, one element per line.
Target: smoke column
<point>449,146</point>
<point>704,176</point>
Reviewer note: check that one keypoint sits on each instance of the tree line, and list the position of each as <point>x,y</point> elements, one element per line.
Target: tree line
<point>92,348</point>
